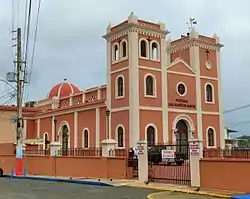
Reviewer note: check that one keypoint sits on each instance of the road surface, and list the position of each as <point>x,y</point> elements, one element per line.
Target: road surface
<point>34,189</point>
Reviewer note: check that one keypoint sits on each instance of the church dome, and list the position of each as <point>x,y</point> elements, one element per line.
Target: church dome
<point>63,89</point>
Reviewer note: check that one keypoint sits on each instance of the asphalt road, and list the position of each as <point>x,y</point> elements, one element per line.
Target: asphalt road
<point>35,189</point>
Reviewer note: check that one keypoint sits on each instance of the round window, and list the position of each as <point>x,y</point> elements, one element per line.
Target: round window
<point>181,88</point>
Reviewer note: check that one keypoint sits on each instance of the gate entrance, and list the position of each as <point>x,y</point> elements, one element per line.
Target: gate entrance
<point>65,140</point>
<point>133,162</point>
<point>169,164</point>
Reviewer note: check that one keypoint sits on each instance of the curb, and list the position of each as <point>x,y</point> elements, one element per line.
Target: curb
<point>84,182</point>
<point>179,191</point>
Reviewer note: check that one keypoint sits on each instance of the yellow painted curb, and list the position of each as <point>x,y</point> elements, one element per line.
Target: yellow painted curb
<point>178,190</point>
<point>153,195</point>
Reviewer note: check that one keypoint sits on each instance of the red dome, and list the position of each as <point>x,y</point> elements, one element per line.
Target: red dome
<point>63,89</point>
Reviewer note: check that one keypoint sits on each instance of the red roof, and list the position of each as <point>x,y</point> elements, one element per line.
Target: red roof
<point>63,89</point>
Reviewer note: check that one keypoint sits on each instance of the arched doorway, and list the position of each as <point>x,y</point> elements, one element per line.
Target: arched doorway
<point>65,139</point>
<point>182,136</point>
<point>151,136</point>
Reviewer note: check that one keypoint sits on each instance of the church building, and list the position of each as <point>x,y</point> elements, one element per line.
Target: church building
<point>158,89</point>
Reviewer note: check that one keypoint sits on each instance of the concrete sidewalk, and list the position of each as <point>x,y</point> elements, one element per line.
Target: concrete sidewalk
<point>171,187</point>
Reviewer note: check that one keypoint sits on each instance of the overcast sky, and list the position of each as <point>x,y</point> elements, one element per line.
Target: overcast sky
<point>69,42</point>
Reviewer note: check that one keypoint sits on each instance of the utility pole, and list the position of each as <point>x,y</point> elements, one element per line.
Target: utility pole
<point>19,127</point>
<point>18,77</point>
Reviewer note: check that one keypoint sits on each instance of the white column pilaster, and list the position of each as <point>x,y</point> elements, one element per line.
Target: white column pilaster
<point>38,128</point>
<point>221,131</point>
<point>83,98</point>
<point>97,116</point>
<point>71,100</point>
<point>195,64</point>
<point>164,92</point>
<point>99,93</point>
<point>75,128</point>
<point>53,129</point>
<point>134,118</point>
<point>24,128</point>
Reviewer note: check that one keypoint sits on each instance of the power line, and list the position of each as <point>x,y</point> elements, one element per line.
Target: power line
<point>33,49</point>
<point>28,30</point>
<point>239,123</point>
<point>26,37</point>
<point>237,108</point>
<point>25,26</point>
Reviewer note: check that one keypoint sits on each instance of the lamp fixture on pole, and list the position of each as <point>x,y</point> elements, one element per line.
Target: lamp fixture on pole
<point>107,123</point>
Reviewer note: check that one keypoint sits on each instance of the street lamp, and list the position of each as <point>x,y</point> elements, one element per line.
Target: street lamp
<point>107,124</point>
<point>55,135</point>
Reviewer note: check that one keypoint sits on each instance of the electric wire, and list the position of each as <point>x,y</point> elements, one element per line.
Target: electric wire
<point>13,28</point>
<point>18,12</point>
<point>26,42</point>
<point>25,26</point>
<point>239,123</point>
<point>28,31</point>
<point>237,108</point>
<point>33,49</point>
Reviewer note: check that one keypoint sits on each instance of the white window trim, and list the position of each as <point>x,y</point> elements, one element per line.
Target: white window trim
<point>113,51</point>
<point>182,95</point>
<point>205,89</point>
<point>44,139</point>
<point>147,50</point>
<point>215,145</point>
<point>156,132</point>
<point>116,135</point>
<point>158,51</point>
<point>154,86</point>
<point>121,50</point>
<point>116,87</point>
<point>59,132</point>
<point>83,139</point>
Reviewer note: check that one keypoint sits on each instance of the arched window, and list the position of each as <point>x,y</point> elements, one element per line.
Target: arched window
<point>210,135</point>
<point>150,85</point>
<point>120,135</point>
<point>143,48</point>
<point>209,93</point>
<point>154,51</point>
<point>150,136</point>
<point>116,52</point>
<point>120,87</point>
<point>85,139</point>
<point>124,49</point>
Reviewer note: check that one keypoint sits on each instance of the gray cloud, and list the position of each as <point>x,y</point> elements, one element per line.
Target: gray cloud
<point>69,42</point>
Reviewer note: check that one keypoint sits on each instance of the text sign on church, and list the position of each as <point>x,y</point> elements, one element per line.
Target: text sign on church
<point>182,103</point>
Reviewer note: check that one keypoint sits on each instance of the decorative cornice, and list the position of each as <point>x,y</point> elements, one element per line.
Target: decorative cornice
<point>194,42</point>
<point>125,29</point>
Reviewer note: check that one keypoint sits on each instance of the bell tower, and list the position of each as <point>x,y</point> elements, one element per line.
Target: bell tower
<point>136,52</point>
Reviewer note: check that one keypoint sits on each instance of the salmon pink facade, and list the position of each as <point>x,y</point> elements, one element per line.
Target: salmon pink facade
<point>158,90</point>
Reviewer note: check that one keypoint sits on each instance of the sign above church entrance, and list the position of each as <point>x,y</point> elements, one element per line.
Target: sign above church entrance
<point>181,103</point>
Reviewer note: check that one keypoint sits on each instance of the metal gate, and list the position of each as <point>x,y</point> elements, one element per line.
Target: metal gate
<point>169,164</point>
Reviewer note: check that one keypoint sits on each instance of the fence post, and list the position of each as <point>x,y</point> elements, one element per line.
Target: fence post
<point>107,145</point>
<point>142,161</point>
<point>195,147</point>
